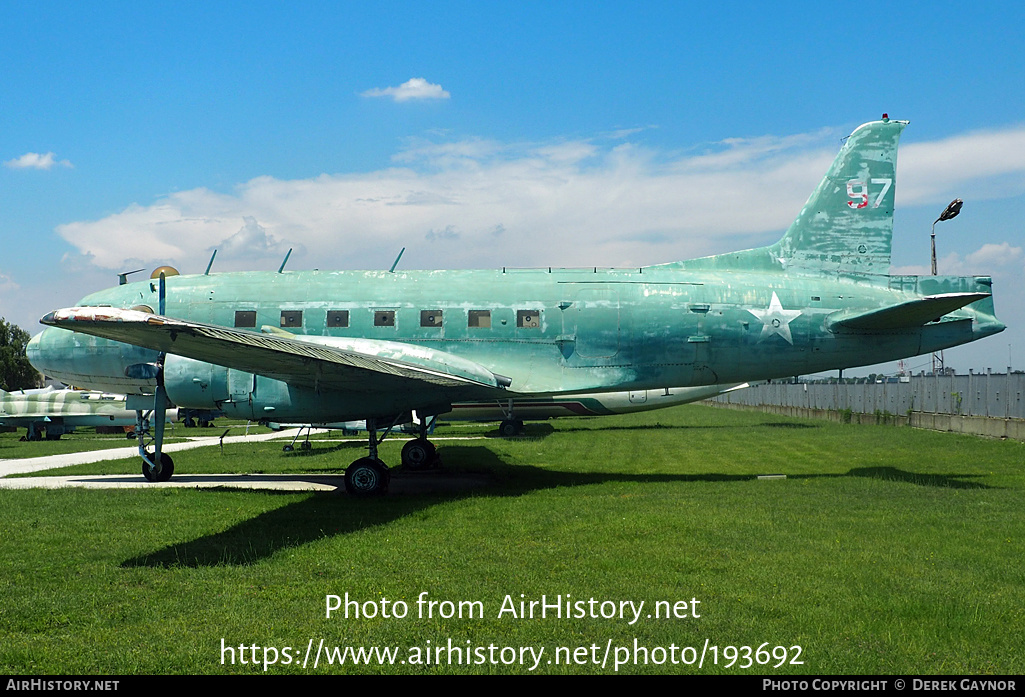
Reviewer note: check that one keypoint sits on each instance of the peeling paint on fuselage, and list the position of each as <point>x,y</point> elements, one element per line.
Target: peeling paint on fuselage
<point>672,327</point>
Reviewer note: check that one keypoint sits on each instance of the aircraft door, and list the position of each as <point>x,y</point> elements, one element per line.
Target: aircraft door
<point>593,321</point>
<point>240,389</point>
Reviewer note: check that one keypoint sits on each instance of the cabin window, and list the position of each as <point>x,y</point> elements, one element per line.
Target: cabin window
<point>384,318</point>
<point>291,318</point>
<point>530,319</point>
<point>430,318</point>
<point>245,318</point>
<point>479,318</point>
<point>337,318</point>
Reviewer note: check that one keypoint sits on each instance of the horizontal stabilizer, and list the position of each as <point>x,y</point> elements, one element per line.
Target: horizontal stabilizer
<point>360,365</point>
<point>913,313</point>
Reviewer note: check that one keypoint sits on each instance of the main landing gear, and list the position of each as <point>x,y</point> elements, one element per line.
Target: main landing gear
<point>419,454</point>
<point>305,445</point>
<point>157,466</point>
<point>511,427</point>
<point>369,476</point>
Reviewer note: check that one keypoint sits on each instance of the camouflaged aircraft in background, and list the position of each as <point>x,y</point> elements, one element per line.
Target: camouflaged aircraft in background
<point>355,345</point>
<point>57,412</point>
<point>420,453</point>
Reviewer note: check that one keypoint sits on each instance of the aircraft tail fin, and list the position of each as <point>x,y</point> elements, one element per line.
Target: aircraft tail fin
<point>847,223</point>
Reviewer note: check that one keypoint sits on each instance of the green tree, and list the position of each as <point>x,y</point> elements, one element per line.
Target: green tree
<point>16,372</point>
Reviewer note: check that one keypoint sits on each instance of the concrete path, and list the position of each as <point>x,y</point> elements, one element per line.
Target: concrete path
<point>433,481</point>
<point>280,482</point>
<point>35,464</point>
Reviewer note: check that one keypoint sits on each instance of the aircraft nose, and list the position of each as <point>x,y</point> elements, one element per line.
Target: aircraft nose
<point>87,361</point>
<point>47,351</point>
<point>32,350</point>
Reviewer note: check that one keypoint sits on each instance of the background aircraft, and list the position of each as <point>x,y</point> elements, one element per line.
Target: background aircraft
<point>420,453</point>
<point>379,345</point>
<point>57,412</point>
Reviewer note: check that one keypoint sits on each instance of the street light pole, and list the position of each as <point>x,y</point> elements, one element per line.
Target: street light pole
<point>951,211</point>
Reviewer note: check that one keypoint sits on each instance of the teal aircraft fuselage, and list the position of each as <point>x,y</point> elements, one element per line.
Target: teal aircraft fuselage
<point>320,346</point>
<point>549,331</point>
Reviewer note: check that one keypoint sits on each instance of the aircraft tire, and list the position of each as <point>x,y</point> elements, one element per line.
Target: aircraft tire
<point>160,474</point>
<point>418,454</point>
<point>366,477</point>
<point>510,428</point>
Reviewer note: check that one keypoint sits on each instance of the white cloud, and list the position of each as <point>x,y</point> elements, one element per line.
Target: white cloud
<point>415,88</point>
<point>7,285</point>
<point>997,259</point>
<point>979,165</point>
<point>477,203</point>
<point>994,255</point>
<point>34,160</point>
<point>252,242</point>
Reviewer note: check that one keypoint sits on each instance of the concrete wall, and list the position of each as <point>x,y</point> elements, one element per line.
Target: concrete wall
<point>985,404</point>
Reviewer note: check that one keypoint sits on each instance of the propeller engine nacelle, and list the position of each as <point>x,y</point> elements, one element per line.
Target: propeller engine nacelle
<point>194,384</point>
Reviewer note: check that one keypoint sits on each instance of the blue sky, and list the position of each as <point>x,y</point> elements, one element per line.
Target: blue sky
<point>480,135</point>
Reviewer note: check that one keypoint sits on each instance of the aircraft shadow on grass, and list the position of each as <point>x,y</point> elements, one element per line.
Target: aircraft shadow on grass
<point>641,427</point>
<point>321,516</point>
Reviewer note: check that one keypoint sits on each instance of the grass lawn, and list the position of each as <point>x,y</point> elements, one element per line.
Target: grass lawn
<point>12,447</point>
<point>884,551</point>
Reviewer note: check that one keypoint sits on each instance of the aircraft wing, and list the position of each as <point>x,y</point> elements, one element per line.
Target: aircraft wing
<point>21,419</point>
<point>913,313</point>
<point>351,364</point>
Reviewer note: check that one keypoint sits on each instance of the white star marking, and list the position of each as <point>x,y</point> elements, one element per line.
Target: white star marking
<point>776,320</point>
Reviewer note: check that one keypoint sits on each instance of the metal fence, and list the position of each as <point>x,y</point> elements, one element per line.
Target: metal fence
<point>994,395</point>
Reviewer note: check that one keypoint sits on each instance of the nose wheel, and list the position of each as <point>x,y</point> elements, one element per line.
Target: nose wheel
<point>157,469</point>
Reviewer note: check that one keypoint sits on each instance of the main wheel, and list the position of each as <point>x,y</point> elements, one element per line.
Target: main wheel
<point>366,477</point>
<point>162,472</point>
<point>418,454</point>
<point>510,428</point>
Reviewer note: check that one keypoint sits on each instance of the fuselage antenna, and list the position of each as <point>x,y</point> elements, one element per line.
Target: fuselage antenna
<point>122,278</point>
<point>396,262</point>
<point>207,273</point>
<point>285,261</point>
